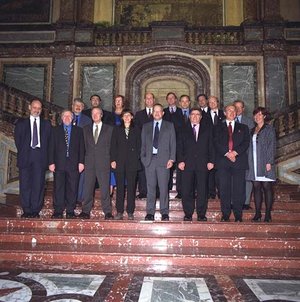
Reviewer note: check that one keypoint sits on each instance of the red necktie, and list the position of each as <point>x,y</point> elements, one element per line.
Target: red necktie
<point>230,141</point>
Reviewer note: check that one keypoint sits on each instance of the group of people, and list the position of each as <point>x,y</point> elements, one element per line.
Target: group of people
<point>214,152</point>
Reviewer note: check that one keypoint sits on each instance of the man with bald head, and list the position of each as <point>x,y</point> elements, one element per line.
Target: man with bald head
<point>31,137</point>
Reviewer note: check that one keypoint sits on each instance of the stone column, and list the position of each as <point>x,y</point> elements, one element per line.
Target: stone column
<point>85,13</point>
<point>272,10</point>
<point>68,11</point>
<point>251,11</point>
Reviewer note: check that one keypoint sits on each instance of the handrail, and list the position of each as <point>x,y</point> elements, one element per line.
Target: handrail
<point>14,104</point>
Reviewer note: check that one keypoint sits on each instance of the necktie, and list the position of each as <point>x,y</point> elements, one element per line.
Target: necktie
<point>215,118</point>
<point>67,140</point>
<point>156,136</point>
<point>195,132</point>
<point>230,140</point>
<point>237,120</point>
<point>96,134</point>
<point>185,115</point>
<point>76,120</point>
<point>149,112</point>
<point>172,110</point>
<point>127,132</point>
<point>34,135</point>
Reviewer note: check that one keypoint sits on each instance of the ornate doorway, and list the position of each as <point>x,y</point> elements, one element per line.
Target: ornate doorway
<point>163,73</point>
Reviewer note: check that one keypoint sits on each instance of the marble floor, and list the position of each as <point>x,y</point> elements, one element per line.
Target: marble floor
<point>63,287</point>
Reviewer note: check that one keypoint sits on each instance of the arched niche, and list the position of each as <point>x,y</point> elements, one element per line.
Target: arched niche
<point>176,68</point>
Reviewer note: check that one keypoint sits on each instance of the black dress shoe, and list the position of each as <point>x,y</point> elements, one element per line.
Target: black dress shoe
<point>71,215</point>
<point>256,218</point>
<point>141,196</point>
<point>108,216</point>
<point>26,215</point>
<point>83,215</point>
<point>35,215</point>
<point>247,207</point>
<point>212,196</point>
<point>149,217</point>
<point>238,219</point>
<point>187,218</point>
<point>178,196</point>
<point>201,218</point>
<point>224,219</point>
<point>165,217</point>
<point>57,216</point>
<point>268,218</point>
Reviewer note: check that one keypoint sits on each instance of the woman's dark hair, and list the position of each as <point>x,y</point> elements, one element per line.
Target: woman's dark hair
<point>263,111</point>
<point>126,110</point>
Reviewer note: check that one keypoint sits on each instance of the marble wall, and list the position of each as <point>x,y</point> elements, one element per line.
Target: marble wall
<point>239,81</point>
<point>98,79</point>
<point>29,78</point>
<point>61,82</point>
<point>275,83</point>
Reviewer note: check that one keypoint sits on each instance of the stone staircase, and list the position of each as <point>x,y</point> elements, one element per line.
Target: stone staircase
<point>174,247</point>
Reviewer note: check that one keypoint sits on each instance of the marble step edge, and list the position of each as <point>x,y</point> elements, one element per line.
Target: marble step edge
<point>212,205</point>
<point>127,240</point>
<point>42,259</point>
<point>177,216</point>
<point>158,269</point>
<point>160,227</point>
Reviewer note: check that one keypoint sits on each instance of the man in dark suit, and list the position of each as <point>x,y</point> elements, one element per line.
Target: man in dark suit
<point>97,142</point>
<point>203,104</point>
<point>214,117</point>
<point>66,161</point>
<point>95,103</point>
<point>242,118</point>
<point>80,120</point>
<point>195,155</point>
<point>31,138</point>
<point>231,140</point>
<point>142,117</point>
<point>158,156</point>
<point>185,104</point>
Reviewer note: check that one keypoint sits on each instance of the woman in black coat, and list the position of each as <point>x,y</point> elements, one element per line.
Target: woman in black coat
<point>125,160</point>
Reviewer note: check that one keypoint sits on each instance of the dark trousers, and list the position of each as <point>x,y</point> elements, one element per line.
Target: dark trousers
<point>213,183</point>
<point>65,190</point>
<point>32,184</point>
<point>130,177</point>
<point>260,188</point>
<point>192,178</point>
<point>142,182</point>
<point>232,191</point>
<point>178,181</point>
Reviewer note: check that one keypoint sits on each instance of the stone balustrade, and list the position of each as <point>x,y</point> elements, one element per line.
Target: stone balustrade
<point>14,104</point>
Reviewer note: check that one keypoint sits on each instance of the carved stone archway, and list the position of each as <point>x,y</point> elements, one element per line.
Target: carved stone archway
<point>165,65</point>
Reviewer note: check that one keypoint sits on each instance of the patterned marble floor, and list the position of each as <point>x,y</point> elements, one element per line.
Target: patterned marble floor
<point>60,287</point>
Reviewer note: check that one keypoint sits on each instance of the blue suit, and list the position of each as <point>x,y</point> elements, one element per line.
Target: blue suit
<point>32,164</point>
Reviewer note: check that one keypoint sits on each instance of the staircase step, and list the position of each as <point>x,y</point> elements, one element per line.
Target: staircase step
<point>234,239</point>
<point>120,258</point>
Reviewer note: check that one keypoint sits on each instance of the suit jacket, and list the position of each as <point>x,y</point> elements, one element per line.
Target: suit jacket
<point>176,118</point>
<point>83,121</point>
<point>126,152</point>
<point>97,155</point>
<point>166,143</point>
<point>241,139</point>
<point>265,153</point>
<point>141,117</point>
<point>107,117</point>
<point>22,136</point>
<point>196,154</point>
<point>221,116</point>
<point>247,121</point>
<point>58,149</point>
